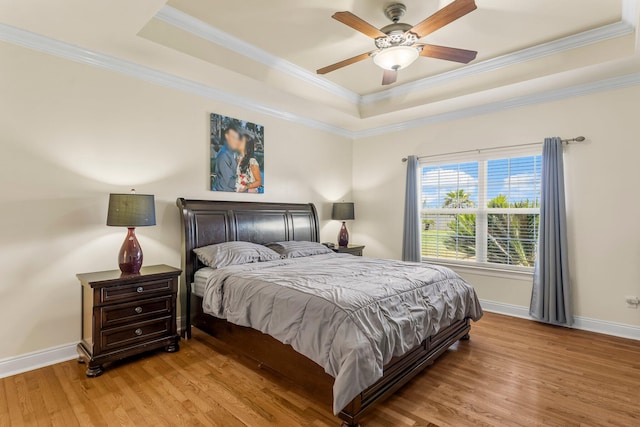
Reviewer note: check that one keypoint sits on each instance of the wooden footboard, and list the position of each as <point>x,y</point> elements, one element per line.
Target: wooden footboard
<point>402,369</point>
<point>283,359</point>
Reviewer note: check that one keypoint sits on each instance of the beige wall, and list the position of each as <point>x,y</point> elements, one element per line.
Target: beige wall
<point>602,177</point>
<point>70,135</point>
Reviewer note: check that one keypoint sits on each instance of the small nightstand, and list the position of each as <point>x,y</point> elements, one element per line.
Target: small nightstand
<point>127,314</point>
<point>349,249</point>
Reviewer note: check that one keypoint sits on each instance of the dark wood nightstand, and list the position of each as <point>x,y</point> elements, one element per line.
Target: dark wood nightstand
<point>127,314</point>
<point>349,249</point>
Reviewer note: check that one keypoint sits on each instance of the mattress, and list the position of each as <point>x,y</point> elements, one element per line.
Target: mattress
<point>200,280</point>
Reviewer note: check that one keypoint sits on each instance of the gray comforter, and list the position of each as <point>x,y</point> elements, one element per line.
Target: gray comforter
<point>349,314</point>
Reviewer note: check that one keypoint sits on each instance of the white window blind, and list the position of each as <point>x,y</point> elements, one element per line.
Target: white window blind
<point>484,211</point>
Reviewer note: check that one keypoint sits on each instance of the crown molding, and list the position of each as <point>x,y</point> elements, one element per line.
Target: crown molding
<point>47,45</point>
<point>188,23</point>
<point>585,38</point>
<point>74,53</point>
<point>537,98</point>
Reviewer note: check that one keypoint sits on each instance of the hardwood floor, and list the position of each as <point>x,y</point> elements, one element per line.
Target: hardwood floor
<point>512,372</point>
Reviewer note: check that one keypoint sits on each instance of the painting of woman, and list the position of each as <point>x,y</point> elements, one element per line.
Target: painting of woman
<point>248,176</point>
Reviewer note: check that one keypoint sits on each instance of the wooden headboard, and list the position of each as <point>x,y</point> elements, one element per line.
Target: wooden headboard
<point>205,222</point>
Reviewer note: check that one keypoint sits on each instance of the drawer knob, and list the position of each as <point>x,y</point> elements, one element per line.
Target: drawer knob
<point>138,332</point>
<point>140,289</point>
<point>138,310</point>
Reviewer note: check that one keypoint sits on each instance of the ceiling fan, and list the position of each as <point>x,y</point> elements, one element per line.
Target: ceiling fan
<point>397,44</point>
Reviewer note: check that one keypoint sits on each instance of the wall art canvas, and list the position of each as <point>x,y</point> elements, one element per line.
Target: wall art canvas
<point>237,155</point>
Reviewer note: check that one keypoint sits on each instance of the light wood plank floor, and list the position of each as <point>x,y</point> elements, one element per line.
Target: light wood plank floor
<point>513,372</point>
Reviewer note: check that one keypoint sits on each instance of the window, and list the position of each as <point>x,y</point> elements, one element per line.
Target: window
<point>483,211</point>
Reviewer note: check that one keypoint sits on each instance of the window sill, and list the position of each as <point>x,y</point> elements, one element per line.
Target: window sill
<point>514,273</point>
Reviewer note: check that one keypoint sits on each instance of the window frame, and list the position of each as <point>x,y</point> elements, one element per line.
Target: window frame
<point>481,211</point>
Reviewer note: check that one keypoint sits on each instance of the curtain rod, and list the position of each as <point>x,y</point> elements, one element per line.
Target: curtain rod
<point>480,150</point>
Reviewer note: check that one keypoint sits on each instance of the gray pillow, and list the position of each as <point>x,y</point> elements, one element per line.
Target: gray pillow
<point>234,253</point>
<point>296,249</point>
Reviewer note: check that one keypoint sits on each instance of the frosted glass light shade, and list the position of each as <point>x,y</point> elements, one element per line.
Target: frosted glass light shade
<point>396,58</point>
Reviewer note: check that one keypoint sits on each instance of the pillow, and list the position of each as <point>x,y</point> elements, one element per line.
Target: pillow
<point>234,253</point>
<point>295,249</point>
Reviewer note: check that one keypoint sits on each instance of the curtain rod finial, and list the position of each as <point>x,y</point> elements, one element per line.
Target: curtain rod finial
<point>580,138</point>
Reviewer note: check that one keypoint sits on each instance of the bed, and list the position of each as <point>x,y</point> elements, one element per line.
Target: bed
<point>210,222</point>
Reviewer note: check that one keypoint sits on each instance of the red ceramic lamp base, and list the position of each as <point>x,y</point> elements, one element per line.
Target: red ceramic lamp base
<point>130,256</point>
<point>343,236</point>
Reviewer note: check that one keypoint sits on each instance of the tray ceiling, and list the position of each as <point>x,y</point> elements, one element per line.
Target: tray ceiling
<point>304,34</point>
<point>262,55</point>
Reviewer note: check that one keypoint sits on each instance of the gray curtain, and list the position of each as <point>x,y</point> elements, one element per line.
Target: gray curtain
<point>411,235</point>
<point>551,295</point>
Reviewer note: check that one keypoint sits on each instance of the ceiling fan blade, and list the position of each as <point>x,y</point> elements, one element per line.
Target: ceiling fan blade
<point>344,63</point>
<point>389,77</point>
<point>444,16</point>
<point>448,53</point>
<point>358,24</point>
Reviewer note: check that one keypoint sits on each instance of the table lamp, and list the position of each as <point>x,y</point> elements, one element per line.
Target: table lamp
<point>131,211</point>
<point>342,212</point>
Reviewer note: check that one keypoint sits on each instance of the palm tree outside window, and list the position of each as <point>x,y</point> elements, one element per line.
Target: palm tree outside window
<point>483,212</point>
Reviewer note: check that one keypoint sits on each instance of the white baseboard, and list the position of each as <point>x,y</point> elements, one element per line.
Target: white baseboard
<point>41,358</point>
<point>579,322</point>
<point>507,309</point>
<point>37,359</point>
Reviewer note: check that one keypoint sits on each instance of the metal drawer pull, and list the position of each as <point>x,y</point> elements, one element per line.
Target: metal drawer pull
<point>138,332</point>
<point>138,310</point>
<point>140,289</point>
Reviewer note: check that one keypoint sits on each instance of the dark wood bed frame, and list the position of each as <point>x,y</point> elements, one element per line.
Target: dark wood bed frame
<point>208,222</point>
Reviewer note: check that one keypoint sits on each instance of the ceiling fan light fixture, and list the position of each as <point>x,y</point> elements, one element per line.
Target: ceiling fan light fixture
<point>396,58</point>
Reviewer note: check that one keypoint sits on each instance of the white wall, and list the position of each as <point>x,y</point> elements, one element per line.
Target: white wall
<point>602,178</point>
<point>71,134</point>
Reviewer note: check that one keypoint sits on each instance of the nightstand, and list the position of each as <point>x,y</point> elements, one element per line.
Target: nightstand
<point>349,249</point>
<point>127,314</point>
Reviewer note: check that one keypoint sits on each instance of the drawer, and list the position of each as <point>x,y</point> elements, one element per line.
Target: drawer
<point>135,291</point>
<point>112,315</point>
<point>140,332</point>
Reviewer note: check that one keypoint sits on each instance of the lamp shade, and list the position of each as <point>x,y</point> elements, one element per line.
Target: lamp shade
<point>131,210</point>
<point>343,211</point>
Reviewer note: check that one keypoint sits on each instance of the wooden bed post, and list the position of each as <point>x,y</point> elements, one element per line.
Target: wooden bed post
<point>188,268</point>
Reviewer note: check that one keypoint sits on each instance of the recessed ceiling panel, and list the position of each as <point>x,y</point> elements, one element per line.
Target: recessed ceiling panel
<point>305,34</point>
